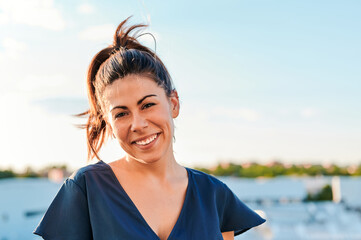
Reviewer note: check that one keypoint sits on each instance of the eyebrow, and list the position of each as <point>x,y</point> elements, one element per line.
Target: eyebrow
<point>138,103</point>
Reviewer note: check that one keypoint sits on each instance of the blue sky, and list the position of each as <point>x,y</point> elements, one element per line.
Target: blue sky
<point>258,80</point>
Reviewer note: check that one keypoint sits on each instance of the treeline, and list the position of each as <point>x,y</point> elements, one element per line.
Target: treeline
<point>30,173</point>
<point>249,170</point>
<point>254,170</point>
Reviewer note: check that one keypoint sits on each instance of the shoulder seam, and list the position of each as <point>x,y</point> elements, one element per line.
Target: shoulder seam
<point>87,170</point>
<point>80,173</point>
<point>91,167</point>
<point>83,170</point>
<point>77,185</point>
<point>214,178</point>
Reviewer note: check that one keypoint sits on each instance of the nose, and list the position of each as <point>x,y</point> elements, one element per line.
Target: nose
<point>138,123</point>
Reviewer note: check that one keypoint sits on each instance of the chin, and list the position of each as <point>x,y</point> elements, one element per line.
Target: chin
<point>149,157</point>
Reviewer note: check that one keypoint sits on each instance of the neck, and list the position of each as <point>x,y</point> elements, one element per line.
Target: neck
<point>160,168</point>
<point>165,168</point>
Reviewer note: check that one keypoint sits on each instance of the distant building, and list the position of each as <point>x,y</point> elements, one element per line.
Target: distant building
<point>56,175</point>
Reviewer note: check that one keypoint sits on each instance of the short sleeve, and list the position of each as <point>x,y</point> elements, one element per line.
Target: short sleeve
<point>67,217</point>
<point>237,216</point>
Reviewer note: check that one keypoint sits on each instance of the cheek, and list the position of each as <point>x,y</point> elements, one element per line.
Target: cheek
<point>119,130</point>
<point>168,122</point>
<point>163,117</point>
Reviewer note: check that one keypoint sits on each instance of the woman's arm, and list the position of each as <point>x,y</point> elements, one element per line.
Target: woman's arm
<point>228,235</point>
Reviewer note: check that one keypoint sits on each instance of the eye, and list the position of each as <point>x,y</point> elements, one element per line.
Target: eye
<point>119,115</point>
<point>147,105</point>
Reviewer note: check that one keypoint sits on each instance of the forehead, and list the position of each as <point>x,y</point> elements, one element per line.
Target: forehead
<point>129,90</point>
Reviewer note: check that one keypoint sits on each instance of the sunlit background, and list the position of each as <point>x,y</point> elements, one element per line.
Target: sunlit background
<point>258,80</point>
<point>272,82</point>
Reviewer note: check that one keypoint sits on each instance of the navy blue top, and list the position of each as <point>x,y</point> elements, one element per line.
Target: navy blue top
<point>92,204</point>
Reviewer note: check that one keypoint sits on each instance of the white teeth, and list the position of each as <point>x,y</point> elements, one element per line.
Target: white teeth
<point>147,141</point>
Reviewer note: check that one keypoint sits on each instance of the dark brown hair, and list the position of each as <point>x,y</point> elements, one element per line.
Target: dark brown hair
<point>125,56</point>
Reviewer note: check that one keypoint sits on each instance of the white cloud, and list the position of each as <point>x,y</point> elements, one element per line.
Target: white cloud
<point>39,13</point>
<point>40,86</point>
<point>4,19</point>
<point>105,32</point>
<point>86,8</point>
<point>12,48</point>
<point>98,33</point>
<point>201,141</point>
<point>34,137</point>
<point>308,112</point>
<point>237,113</point>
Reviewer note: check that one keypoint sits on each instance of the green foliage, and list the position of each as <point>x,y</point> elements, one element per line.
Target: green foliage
<point>30,173</point>
<point>230,170</point>
<point>324,195</point>
<point>249,170</point>
<point>7,174</point>
<point>253,170</point>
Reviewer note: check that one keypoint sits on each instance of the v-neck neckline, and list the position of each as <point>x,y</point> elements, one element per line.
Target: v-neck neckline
<point>140,214</point>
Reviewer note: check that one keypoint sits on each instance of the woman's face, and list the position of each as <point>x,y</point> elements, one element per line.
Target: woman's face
<point>141,117</point>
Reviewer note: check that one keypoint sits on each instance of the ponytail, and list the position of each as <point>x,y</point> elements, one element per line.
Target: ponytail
<point>95,127</point>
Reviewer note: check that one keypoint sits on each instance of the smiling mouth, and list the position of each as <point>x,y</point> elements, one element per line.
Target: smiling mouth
<point>148,140</point>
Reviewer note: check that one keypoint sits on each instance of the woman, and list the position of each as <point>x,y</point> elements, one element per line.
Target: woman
<point>147,194</point>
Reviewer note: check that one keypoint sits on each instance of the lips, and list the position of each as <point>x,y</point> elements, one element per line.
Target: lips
<point>146,140</point>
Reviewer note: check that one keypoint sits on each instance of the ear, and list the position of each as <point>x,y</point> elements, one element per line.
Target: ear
<point>174,101</point>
